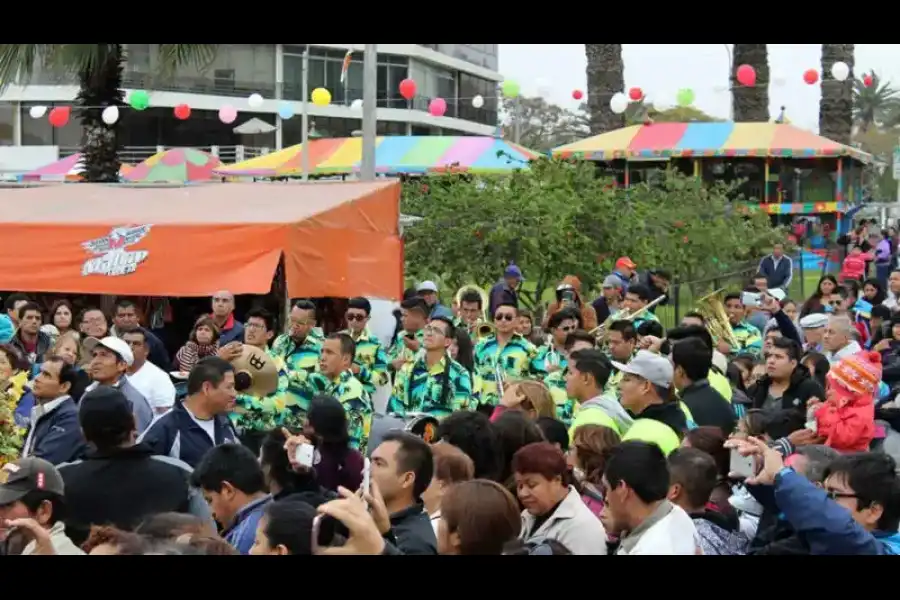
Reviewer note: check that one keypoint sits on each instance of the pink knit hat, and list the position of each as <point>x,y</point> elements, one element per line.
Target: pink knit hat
<point>859,373</point>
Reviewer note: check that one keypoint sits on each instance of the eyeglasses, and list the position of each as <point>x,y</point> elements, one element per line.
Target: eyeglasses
<point>434,330</point>
<point>356,317</point>
<point>504,317</point>
<point>836,495</point>
<point>254,326</point>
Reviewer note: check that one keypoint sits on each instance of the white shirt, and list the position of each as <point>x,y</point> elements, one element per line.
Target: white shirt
<point>435,520</point>
<point>674,534</point>
<point>850,349</point>
<point>155,385</point>
<point>207,425</point>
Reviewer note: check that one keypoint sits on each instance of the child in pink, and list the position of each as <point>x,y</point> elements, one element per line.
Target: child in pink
<point>854,266</point>
<point>847,417</point>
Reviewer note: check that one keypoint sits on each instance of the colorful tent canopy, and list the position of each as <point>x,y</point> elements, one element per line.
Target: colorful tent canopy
<point>65,169</point>
<point>394,155</point>
<point>188,240</point>
<point>672,140</point>
<point>178,165</point>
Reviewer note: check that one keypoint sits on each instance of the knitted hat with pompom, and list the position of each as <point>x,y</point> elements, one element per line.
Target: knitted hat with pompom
<point>859,373</point>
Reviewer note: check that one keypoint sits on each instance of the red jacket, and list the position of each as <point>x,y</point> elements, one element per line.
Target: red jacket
<point>848,425</point>
<point>854,267</point>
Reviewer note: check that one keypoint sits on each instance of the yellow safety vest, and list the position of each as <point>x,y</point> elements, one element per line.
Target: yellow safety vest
<point>654,432</point>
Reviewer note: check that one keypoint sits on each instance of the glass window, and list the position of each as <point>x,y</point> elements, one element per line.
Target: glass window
<point>316,74</point>
<point>7,123</point>
<point>384,87</point>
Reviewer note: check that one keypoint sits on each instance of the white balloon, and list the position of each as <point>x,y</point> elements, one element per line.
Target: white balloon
<point>356,104</point>
<point>478,101</point>
<point>618,103</point>
<point>255,100</point>
<point>840,71</point>
<point>110,114</point>
<point>37,112</point>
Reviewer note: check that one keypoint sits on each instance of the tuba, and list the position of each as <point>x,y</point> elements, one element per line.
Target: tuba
<point>481,328</point>
<point>713,310</point>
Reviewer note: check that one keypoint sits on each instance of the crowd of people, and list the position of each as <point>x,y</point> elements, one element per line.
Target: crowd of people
<point>765,427</point>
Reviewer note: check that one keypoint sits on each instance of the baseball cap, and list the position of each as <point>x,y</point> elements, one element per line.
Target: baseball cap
<point>113,344</point>
<point>28,475</point>
<point>814,321</point>
<point>625,262</point>
<point>777,293</point>
<point>427,286</point>
<point>513,271</point>
<point>105,410</point>
<point>612,281</point>
<point>654,368</point>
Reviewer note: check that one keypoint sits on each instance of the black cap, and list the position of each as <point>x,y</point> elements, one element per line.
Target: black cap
<point>105,410</point>
<point>28,475</point>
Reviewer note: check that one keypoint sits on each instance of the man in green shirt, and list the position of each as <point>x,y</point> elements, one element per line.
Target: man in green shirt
<point>370,364</point>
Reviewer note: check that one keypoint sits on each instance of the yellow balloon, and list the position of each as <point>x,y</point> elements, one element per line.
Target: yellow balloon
<point>321,97</point>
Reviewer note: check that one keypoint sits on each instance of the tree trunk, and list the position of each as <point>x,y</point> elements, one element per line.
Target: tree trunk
<point>605,77</point>
<point>101,87</point>
<point>751,104</point>
<point>836,105</point>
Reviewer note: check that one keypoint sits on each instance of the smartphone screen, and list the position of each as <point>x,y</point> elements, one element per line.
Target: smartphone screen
<point>751,299</point>
<point>743,466</point>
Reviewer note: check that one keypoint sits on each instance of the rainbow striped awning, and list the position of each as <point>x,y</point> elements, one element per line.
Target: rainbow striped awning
<point>394,155</point>
<point>681,140</point>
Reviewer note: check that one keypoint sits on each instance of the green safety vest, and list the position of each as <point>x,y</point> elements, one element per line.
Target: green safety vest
<point>654,432</point>
<point>592,415</point>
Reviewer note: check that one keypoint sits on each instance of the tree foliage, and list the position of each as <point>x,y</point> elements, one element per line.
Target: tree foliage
<point>561,218</point>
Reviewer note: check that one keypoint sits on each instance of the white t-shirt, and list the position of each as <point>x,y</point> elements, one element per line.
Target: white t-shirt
<point>207,425</point>
<point>674,534</point>
<point>155,385</point>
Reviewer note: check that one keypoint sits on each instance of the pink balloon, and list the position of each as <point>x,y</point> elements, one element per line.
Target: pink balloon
<point>437,107</point>
<point>227,114</point>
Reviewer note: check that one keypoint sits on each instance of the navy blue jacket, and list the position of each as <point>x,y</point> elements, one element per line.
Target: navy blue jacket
<point>176,434</point>
<point>56,435</point>
<point>779,277</point>
<point>235,334</point>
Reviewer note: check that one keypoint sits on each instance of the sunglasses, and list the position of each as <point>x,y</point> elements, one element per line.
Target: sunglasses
<point>568,329</point>
<point>356,317</point>
<point>504,317</point>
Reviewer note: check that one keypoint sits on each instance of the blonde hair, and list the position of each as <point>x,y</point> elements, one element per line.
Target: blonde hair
<point>537,395</point>
<point>69,336</point>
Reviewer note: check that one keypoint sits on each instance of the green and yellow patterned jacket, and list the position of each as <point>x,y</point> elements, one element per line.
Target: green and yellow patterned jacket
<point>566,407</point>
<point>356,400</point>
<point>254,413</point>
<point>418,388</point>
<point>548,355</point>
<point>399,350</point>
<point>371,359</point>
<point>517,360</point>
<point>300,361</point>
<point>748,337</point>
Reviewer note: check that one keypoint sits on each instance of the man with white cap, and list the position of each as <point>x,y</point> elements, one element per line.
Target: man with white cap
<point>110,359</point>
<point>646,388</point>
<point>813,327</point>
<point>608,303</point>
<point>428,291</point>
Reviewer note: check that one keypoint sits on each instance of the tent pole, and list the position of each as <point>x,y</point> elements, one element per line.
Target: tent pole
<point>304,165</point>
<point>370,107</point>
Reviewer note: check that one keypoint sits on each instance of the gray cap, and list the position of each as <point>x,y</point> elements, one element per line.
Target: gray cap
<point>427,286</point>
<point>612,281</point>
<point>814,321</point>
<point>654,368</point>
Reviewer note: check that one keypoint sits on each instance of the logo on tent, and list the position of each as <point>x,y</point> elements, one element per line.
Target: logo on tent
<point>112,257</point>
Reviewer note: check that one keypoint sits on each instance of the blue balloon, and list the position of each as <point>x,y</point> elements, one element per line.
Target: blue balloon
<point>285,110</point>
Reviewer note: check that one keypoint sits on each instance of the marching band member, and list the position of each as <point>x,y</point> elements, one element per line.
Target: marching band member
<point>413,317</point>
<point>622,345</point>
<point>561,324</point>
<point>433,383</point>
<point>299,348</point>
<point>638,296</point>
<point>471,307</point>
<point>749,338</point>
<point>504,355</point>
<point>566,405</point>
<point>370,364</point>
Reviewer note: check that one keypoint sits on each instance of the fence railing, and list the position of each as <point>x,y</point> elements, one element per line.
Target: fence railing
<point>136,154</point>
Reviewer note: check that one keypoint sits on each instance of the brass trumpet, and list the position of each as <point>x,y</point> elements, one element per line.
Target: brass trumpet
<point>480,328</point>
<point>599,332</point>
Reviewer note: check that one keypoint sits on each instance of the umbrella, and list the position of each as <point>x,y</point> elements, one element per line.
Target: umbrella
<point>254,127</point>
<point>177,165</point>
<point>66,169</point>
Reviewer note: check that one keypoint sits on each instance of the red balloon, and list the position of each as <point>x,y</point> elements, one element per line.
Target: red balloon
<point>578,94</point>
<point>868,80</point>
<point>59,116</point>
<point>635,93</point>
<point>182,112</point>
<point>811,76</point>
<point>408,89</point>
<point>746,75</point>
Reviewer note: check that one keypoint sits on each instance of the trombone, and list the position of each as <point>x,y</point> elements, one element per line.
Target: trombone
<point>599,332</point>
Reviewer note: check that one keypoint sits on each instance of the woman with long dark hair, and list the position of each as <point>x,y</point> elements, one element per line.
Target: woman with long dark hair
<point>335,463</point>
<point>815,303</point>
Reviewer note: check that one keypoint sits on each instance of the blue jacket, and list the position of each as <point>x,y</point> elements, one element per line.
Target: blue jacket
<point>242,532</point>
<point>176,434</point>
<point>235,334</point>
<point>56,436</point>
<point>780,276</point>
<point>827,527</point>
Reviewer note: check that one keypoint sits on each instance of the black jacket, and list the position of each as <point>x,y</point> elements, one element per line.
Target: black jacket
<point>123,487</point>
<point>774,535</point>
<point>708,407</point>
<point>176,434</point>
<point>668,413</point>
<point>801,388</point>
<point>411,532</point>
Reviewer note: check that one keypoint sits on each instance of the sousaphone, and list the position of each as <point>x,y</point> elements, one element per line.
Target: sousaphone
<point>255,373</point>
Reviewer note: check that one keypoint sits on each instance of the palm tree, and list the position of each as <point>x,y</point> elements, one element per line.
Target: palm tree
<point>99,70</point>
<point>836,105</point>
<point>605,77</point>
<point>750,103</point>
<point>874,104</point>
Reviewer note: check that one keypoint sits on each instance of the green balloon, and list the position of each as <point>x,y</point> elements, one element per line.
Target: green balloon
<point>685,97</point>
<point>510,88</point>
<point>139,100</point>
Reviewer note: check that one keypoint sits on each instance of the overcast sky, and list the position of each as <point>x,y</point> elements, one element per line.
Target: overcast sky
<point>662,69</point>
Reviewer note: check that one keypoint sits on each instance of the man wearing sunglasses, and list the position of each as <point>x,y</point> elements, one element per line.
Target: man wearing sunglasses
<point>504,356</point>
<point>561,324</point>
<point>370,363</point>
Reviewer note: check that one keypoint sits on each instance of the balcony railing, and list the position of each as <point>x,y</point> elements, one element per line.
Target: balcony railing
<point>197,85</point>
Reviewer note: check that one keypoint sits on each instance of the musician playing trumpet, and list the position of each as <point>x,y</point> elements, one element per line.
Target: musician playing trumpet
<point>552,354</point>
<point>504,356</point>
<point>408,342</point>
<point>433,383</point>
<point>638,296</point>
<point>471,309</point>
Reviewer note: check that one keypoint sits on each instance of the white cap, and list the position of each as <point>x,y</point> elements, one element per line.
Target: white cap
<point>777,293</point>
<point>427,286</point>
<point>112,344</point>
<point>814,321</point>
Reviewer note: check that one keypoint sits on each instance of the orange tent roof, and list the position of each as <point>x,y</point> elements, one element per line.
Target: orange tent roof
<point>338,239</point>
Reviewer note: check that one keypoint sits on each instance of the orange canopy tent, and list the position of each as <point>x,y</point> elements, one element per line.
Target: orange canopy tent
<point>337,238</point>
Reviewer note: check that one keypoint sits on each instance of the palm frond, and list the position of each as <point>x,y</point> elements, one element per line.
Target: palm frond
<point>172,56</point>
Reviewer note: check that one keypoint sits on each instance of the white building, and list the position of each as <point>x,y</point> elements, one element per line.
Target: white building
<point>455,72</point>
